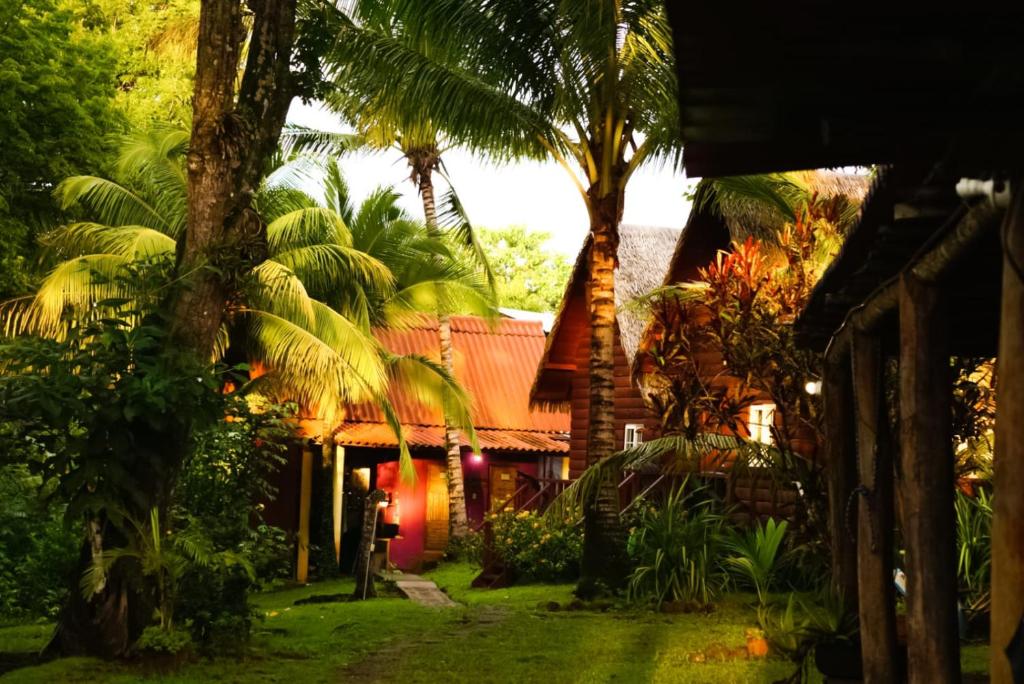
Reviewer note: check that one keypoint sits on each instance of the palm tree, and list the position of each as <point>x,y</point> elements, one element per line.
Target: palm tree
<point>589,84</point>
<point>305,313</point>
<point>399,125</point>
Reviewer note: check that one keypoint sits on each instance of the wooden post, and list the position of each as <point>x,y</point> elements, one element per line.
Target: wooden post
<point>875,513</point>
<point>840,463</point>
<point>338,493</point>
<point>305,494</point>
<point>365,587</point>
<point>933,645</point>
<point>1008,498</point>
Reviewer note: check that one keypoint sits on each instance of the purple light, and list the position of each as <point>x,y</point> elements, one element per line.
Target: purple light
<point>476,458</point>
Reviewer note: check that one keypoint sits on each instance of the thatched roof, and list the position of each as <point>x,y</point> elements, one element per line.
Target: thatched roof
<point>643,255</point>
<point>712,225</point>
<point>745,215</point>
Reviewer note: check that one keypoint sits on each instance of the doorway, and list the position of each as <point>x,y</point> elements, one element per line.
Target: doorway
<point>436,533</point>
<point>503,487</point>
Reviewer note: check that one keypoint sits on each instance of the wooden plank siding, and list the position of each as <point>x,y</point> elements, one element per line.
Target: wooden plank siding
<point>629,403</point>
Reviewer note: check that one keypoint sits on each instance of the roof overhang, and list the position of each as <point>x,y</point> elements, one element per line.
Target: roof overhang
<point>380,435</point>
<point>809,84</point>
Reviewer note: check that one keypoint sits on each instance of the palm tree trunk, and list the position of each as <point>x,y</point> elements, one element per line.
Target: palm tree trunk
<point>236,125</point>
<point>604,563</point>
<point>458,520</point>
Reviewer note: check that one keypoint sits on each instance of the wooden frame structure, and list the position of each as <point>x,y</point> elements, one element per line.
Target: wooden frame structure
<point>936,93</point>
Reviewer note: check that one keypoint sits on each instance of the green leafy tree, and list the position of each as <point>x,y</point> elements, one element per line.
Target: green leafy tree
<point>528,275</point>
<point>57,88</point>
<point>155,48</point>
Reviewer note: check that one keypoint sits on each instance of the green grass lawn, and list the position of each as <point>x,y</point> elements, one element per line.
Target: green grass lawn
<point>503,635</point>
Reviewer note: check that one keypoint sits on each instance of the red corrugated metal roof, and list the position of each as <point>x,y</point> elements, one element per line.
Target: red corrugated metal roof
<point>495,363</point>
<point>380,435</point>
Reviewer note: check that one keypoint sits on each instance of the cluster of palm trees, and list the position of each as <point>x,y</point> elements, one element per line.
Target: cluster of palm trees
<point>590,85</point>
<point>334,271</point>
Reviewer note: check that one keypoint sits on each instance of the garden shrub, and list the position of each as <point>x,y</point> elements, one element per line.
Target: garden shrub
<point>466,549</point>
<point>222,489</point>
<point>37,552</point>
<point>974,550</point>
<point>538,548</point>
<point>754,556</point>
<point>676,549</point>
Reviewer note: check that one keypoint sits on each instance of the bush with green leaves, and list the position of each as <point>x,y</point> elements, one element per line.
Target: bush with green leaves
<point>974,550</point>
<point>676,550</point>
<point>224,485</point>
<point>538,548</point>
<point>37,552</point>
<point>754,555</point>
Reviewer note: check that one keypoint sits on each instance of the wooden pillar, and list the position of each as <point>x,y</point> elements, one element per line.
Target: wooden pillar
<point>933,646</point>
<point>840,464</point>
<point>338,493</point>
<point>1008,498</point>
<point>877,598</point>
<point>305,494</point>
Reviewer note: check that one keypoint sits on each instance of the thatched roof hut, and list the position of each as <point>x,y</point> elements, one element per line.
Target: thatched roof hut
<point>643,256</point>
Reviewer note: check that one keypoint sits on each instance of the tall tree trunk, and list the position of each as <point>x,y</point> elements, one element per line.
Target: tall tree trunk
<point>604,548</point>
<point>458,521</point>
<point>234,133</point>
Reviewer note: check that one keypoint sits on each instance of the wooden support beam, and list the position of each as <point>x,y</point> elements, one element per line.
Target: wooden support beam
<point>841,468</point>
<point>877,599</point>
<point>929,265</point>
<point>1008,499</point>
<point>305,495</point>
<point>338,494</point>
<point>933,645</point>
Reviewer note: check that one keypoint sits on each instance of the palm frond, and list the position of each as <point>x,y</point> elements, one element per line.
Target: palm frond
<point>672,454</point>
<point>430,383</point>
<point>110,203</point>
<point>137,242</point>
<point>322,366</point>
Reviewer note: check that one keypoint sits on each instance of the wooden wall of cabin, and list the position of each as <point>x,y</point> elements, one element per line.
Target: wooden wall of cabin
<point>629,403</point>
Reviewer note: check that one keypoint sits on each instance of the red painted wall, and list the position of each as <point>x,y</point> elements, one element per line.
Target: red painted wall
<point>409,502</point>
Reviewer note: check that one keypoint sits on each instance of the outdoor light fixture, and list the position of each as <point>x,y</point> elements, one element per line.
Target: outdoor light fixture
<point>813,387</point>
<point>477,458</point>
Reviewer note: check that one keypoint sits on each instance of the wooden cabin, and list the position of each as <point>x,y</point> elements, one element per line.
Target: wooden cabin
<point>562,377</point>
<point>713,228</point>
<point>933,269</point>
<point>521,463</point>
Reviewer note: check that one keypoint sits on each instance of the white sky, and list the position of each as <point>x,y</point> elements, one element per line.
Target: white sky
<point>537,195</point>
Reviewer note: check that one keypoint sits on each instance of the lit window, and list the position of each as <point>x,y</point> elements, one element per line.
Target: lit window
<point>634,435</point>
<point>762,418</point>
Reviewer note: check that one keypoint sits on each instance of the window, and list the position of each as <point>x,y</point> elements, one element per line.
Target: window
<point>762,417</point>
<point>634,435</point>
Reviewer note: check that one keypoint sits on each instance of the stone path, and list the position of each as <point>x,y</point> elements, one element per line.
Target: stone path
<point>420,590</point>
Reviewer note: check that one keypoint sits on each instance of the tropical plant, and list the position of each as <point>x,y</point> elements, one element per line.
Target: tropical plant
<point>754,555</point>
<point>164,556</point>
<point>37,551</point>
<point>804,624</point>
<point>589,85</point>
<point>676,549</point>
<point>974,549</point>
